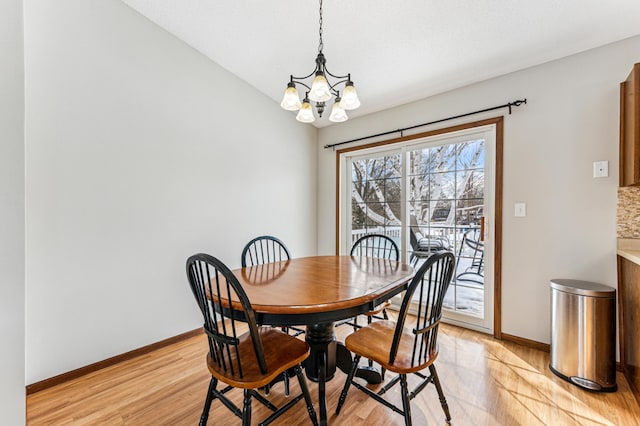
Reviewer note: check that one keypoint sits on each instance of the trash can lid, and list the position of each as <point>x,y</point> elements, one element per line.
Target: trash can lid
<point>583,288</point>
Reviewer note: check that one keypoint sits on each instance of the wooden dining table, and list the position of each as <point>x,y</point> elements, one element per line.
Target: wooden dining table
<point>316,292</point>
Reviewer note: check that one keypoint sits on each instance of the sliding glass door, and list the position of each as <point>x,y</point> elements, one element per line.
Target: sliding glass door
<point>427,195</point>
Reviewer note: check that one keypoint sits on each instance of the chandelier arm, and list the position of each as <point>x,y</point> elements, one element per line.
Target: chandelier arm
<point>301,83</point>
<point>293,77</point>
<point>334,92</point>
<point>346,77</point>
<point>332,86</point>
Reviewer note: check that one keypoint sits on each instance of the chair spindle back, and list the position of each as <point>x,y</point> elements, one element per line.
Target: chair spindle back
<point>376,245</point>
<point>216,289</point>
<point>426,292</point>
<point>264,249</point>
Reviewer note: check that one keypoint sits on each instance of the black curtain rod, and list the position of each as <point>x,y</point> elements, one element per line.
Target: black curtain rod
<point>507,105</point>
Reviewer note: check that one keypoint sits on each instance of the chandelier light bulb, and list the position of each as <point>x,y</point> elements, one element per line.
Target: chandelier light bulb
<point>320,90</point>
<point>291,99</point>
<point>305,115</point>
<point>350,97</point>
<point>338,114</point>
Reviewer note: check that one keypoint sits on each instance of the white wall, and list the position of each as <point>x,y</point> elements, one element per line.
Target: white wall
<point>12,323</point>
<point>570,120</point>
<point>141,152</point>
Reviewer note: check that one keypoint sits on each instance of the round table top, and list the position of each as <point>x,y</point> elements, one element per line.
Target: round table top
<point>322,284</point>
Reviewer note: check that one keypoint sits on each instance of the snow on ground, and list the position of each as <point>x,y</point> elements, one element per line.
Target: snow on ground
<point>465,297</point>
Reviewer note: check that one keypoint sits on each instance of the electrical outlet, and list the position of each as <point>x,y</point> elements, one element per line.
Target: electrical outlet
<point>600,169</point>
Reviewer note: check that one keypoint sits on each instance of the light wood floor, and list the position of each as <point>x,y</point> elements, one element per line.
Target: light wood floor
<point>486,382</point>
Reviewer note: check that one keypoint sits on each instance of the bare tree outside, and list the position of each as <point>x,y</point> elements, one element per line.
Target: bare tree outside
<point>445,200</point>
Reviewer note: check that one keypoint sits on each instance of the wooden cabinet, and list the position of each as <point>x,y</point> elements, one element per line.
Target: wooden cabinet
<point>629,318</point>
<point>630,129</point>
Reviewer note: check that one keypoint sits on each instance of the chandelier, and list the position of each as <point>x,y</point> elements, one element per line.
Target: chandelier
<point>321,91</point>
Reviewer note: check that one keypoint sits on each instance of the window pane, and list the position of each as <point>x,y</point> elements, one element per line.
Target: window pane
<point>469,211</point>
<point>358,215</point>
<point>443,212</point>
<point>419,163</point>
<point>470,183</point>
<point>470,155</point>
<point>442,185</point>
<point>442,159</point>
<point>392,190</point>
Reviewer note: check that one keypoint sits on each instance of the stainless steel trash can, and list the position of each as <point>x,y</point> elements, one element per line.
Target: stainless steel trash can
<point>583,334</point>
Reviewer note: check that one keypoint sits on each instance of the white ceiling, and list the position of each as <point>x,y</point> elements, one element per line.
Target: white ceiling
<point>396,51</point>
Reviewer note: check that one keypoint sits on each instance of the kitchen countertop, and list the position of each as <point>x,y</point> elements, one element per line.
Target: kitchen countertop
<point>629,248</point>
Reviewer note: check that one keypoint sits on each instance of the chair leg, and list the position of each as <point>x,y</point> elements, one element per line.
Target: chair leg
<point>443,401</point>
<point>347,383</point>
<point>246,409</point>
<point>369,321</point>
<point>285,378</point>
<point>322,380</point>
<point>307,396</point>
<point>207,402</point>
<point>406,402</point>
<point>355,324</point>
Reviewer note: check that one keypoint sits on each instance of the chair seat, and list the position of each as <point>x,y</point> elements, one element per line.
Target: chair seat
<point>281,352</point>
<point>373,342</point>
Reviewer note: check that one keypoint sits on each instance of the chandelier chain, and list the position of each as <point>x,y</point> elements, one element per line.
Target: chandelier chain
<point>320,45</point>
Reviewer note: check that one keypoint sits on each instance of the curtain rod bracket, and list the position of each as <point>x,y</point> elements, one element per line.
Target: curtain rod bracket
<point>517,104</point>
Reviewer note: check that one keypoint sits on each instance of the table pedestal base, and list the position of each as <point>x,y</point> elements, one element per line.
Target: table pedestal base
<point>325,355</point>
<point>321,364</point>
<point>322,340</point>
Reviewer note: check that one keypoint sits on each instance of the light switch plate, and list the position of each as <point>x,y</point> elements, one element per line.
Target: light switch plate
<point>520,209</point>
<point>600,169</point>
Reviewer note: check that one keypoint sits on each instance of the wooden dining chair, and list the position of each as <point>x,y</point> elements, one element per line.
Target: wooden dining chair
<point>374,245</point>
<point>264,249</point>
<point>267,249</point>
<point>250,360</point>
<point>410,344</point>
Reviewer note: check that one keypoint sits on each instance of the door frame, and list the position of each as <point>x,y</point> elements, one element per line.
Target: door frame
<point>498,204</point>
